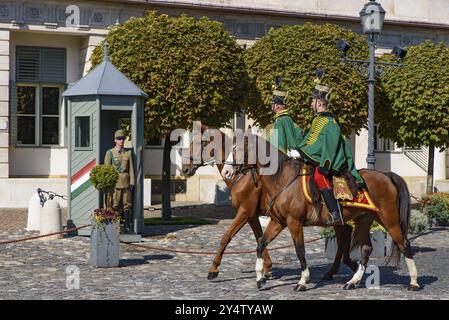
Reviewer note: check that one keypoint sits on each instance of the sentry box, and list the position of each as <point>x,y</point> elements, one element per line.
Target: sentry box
<point>100,103</point>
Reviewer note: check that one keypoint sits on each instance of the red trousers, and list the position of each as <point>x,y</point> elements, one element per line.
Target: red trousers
<point>321,180</point>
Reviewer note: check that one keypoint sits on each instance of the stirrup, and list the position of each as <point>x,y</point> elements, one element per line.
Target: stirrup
<point>333,220</point>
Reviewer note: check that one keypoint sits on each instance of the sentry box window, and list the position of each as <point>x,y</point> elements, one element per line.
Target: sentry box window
<point>83,133</point>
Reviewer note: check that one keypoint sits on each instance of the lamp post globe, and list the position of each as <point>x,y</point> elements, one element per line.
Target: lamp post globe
<point>372,17</point>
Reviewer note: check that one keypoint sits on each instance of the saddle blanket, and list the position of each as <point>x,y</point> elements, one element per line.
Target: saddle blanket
<point>362,200</point>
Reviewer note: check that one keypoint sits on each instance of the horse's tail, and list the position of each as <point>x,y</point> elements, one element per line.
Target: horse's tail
<point>403,204</point>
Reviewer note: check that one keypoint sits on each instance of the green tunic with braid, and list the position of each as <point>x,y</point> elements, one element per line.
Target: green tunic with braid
<point>326,147</point>
<point>289,134</point>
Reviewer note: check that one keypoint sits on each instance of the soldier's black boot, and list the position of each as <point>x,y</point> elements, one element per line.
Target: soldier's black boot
<point>130,224</point>
<point>332,206</point>
<point>122,223</point>
<point>127,229</point>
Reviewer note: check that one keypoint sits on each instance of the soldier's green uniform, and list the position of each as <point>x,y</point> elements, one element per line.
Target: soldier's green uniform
<point>123,162</point>
<point>326,147</point>
<point>289,134</point>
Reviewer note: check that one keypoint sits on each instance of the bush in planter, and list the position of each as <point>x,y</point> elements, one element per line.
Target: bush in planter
<point>419,221</point>
<point>436,206</point>
<point>329,232</point>
<point>104,245</point>
<point>377,239</point>
<point>104,177</point>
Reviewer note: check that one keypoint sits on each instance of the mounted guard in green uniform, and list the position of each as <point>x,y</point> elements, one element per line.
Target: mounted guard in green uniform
<point>289,134</point>
<point>326,148</point>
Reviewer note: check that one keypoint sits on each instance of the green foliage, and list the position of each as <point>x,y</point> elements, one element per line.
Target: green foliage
<point>295,52</point>
<point>327,232</point>
<point>191,69</point>
<point>437,206</point>
<point>414,110</point>
<point>377,227</point>
<point>104,177</point>
<point>419,221</point>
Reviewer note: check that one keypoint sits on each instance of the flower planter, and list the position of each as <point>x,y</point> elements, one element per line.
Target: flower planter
<point>104,245</point>
<point>381,246</point>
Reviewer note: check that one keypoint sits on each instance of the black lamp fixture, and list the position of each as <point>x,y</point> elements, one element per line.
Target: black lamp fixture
<point>343,46</point>
<point>399,52</point>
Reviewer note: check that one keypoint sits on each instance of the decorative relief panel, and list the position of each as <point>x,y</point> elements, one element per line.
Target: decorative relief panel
<point>35,13</point>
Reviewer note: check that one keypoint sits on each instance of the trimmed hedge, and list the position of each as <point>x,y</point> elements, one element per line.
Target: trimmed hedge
<point>295,52</point>
<point>191,69</point>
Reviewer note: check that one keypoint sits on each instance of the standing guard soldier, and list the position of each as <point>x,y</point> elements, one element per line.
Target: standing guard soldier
<point>289,134</point>
<point>122,160</point>
<point>325,147</point>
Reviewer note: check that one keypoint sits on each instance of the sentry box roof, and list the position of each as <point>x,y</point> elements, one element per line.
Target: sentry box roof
<point>105,79</point>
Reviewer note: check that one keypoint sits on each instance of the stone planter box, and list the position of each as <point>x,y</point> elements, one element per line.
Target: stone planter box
<point>105,245</point>
<point>381,246</point>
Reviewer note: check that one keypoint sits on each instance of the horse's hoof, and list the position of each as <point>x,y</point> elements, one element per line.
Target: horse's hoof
<point>268,275</point>
<point>261,283</point>
<point>212,275</point>
<point>349,286</point>
<point>300,288</point>
<point>413,287</point>
<point>328,277</point>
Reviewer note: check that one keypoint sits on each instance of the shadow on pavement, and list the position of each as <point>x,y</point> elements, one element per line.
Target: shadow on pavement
<point>144,260</point>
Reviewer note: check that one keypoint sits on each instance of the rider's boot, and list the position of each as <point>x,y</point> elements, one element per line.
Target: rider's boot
<point>332,206</point>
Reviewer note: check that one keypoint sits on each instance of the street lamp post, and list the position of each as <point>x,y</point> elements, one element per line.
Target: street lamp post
<point>372,17</point>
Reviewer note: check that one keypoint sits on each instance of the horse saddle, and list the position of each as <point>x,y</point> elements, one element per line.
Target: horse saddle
<point>342,193</point>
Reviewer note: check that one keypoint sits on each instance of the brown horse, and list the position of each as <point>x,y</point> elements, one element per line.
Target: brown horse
<point>249,201</point>
<point>388,191</point>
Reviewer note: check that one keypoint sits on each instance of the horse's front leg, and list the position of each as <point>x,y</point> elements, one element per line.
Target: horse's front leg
<point>258,232</point>
<point>271,232</point>
<point>237,223</point>
<point>297,233</point>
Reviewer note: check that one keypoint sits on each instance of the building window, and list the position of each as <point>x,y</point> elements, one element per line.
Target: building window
<point>38,114</point>
<point>82,133</point>
<point>26,114</point>
<point>50,115</point>
<point>37,96</point>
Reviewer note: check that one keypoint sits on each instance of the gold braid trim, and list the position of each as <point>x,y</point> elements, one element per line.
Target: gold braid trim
<point>317,125</point>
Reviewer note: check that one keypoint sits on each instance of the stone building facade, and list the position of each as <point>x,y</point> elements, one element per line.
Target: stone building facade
<point>40,54</point>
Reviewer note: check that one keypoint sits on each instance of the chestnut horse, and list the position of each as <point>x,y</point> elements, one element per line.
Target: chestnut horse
<point>249,201</point>
<point>290,209</point>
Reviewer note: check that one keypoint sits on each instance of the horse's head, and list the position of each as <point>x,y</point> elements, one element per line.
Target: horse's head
<point>198,156</point>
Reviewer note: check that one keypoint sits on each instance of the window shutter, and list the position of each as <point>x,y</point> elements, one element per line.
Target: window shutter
<point>13,113</point>
<point>53,65</point>
<point>28,63</point>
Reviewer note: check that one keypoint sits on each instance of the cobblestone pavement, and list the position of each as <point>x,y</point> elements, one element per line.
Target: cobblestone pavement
<point>38,269</point>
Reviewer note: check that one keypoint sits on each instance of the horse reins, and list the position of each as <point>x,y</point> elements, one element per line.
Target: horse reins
<point>270,204</point>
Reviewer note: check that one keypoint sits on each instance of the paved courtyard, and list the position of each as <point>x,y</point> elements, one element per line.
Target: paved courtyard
<point>40,269</point>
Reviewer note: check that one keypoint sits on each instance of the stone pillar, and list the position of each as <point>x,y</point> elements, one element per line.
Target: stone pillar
<point>439,165</point>
<point>4,103</point>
